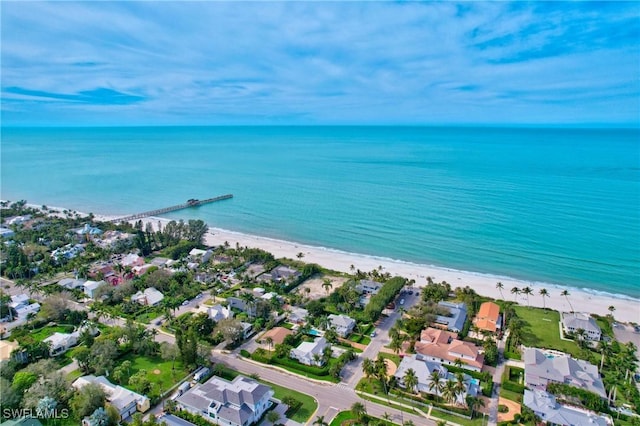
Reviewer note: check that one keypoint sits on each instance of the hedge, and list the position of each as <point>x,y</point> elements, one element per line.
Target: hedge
<point>513,387</point>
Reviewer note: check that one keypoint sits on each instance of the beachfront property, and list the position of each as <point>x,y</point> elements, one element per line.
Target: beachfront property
<point>18,220</point>
<point>368,287</point>
<point>240,402</point>
<point>343,324</point>
<point>219,312</point>
<point>456,318</point>
<point>424,369</point>
<point>574,321</point>
<point>544,367</point>
<point>111,239</point>
<point>310,353</point>
<point>150,297</point>
<point>297,315</point>
<point>280,273</point>
<point>545,406</point>
<point>200,256</point>
<point>488,318</point>
<point>125,401</point>
<point>90,287</point>
<point>444,347</point>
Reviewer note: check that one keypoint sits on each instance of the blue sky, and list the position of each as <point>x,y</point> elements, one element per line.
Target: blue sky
<point>149,63</point>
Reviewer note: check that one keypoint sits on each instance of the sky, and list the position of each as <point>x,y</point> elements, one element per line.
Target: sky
<point>311,63</point>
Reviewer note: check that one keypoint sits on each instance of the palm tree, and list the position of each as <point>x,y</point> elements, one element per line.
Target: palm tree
<point>320,421</point>
<point>435,382</point>
<point>300,255</point>
<point>410,380</point>
<point>396,344</point>
<point>566,294</point>
<point>359,410</point>
<point>386,417</point>
<point>473,403</point>
<point>516,292</point>
<point>460,387</point>
<point>500,286</point>
<point>449,391</point>
<point>326,284</point>
<point>458,363</point>
<point>269,341</point>
<point>544,293</point>
<point>527,291</point>
<point>611,309</point>
<point>250,301</point>
<point>367,367</point>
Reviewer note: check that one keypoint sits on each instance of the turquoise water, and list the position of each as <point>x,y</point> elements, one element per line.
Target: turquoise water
<point>552,205</point>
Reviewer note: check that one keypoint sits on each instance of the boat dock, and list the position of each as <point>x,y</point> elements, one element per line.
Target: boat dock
<point>190,203</point>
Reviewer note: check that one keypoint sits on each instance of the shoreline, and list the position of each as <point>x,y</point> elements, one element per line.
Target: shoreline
<point>627,308</point>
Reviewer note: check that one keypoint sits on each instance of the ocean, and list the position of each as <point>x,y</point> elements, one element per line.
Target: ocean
<point>560,206</point>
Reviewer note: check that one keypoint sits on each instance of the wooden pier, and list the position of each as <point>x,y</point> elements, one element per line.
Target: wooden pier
<point>158,212</point>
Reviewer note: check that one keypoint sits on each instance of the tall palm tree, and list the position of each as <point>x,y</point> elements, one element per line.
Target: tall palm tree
<point>611,309</point>
<point>566,294</point>
<point>359,410</point>
<point>435,383</point>
<point>367,367</point>
<point>544,293</point>
<point>327,285</point>
<point>460,387</point>
<point>516,292</point>
<point>396,344</point>
<point>269,341</point>
<point>249,301</point>
<point>410,380</point>
<point>449,391</point>
<point>527,291</point>
<point>500,286</point>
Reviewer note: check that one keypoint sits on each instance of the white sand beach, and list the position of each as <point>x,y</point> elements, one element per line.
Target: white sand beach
<point>626,309</point>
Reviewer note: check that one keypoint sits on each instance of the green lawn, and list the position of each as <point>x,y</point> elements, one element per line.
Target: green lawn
<point>160,382</point>
<point>45,332</point>
<point>542,330</point>
<point>513,396</point>
<point>345,416</point>
<point>147,317</point>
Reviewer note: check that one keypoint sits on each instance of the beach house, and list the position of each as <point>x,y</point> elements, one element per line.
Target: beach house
<point>456,318</point>
<point>368,287</point>
<point>444,347</point>
<point>424,370</point>
<point>488,318</point>
<point>572,322</point>
<point>342,323</point>
<point>310,353</point>
<point>544,367</point>
<point>545,406</point>
<point>125,401</point>
<point>241,402</point>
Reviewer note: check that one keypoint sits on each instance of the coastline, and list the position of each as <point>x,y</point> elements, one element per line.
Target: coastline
<point>627,308</point>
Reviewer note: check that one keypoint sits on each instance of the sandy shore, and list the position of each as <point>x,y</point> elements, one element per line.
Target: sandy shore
<point>626,309</point>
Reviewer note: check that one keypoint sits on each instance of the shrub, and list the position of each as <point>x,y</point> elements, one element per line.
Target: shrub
<point>245,353</point>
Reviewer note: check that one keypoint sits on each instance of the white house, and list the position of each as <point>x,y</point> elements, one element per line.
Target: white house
<point>544,405</point>
<point>307,352</point>
<point>125,401</point>
<point>369,287</point>
<point>574,321</point>
<point>241,402</point>
<point>219,312</point>
<point>71,283</point>
<point>150,296</point>
<point>90,287</point>
<point>342,323</point>
<point>298,315</point>
<point>61,342</point>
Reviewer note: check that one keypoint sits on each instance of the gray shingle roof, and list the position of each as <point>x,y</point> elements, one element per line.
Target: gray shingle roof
<point>544,405</point>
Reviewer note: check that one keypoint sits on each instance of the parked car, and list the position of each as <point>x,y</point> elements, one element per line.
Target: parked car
<point>401,302</point>
<point>373,333</point>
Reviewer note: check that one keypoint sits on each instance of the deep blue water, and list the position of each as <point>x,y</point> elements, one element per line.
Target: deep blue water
<point>554,205</point>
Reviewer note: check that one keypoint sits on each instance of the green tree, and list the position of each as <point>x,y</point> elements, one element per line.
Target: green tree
<point>319,421</point>
<point>327,285</point>
<point>500,287</point>
<point>516,292</point>
<point>566,294</point>
<point>86,400</point>
<point>544,293</point>
<point>273,417</point>
<point>527,291</point>
<point>410,380</point>
<point>103,355</point>
<point>139,382</point>
<point>359,410</point>
<point>435,383</point>
<point>82,355</point>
